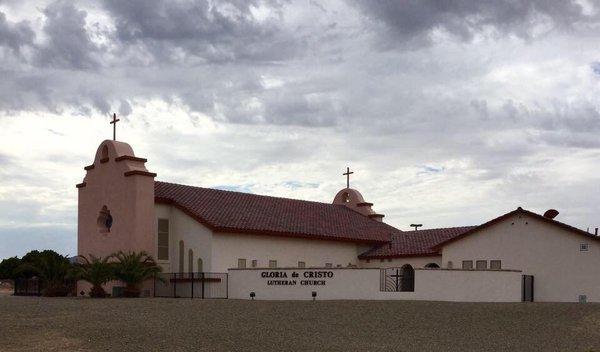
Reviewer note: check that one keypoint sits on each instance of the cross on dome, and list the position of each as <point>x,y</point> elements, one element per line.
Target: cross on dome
<point>347,174</point>
<point>114,123</point>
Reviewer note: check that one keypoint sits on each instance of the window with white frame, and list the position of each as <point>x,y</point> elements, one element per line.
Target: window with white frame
<point>583,247</point>
<point>301,264</point>
<point>481,264</point>
<point>467,264</point>
<point>241,263</point>
<point>162,245</point>
<point>495,264</point>
<point>272,263</point>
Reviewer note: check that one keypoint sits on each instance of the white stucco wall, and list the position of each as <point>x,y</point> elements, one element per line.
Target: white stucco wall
<point>364,284</point>
<point>288,251</point>
<point>551,254</point>
<point>195,236</point>
<point>415,262</point>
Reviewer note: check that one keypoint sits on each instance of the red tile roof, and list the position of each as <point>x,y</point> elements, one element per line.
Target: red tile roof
<point>415,243</point>
<point>226,211</point>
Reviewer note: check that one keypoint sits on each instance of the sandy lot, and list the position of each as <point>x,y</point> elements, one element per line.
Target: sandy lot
<point>57,324</point>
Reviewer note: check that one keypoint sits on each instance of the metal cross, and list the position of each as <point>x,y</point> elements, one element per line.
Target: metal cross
<point>347,174</point>
<point>114,123</point>
<point>397,276</point>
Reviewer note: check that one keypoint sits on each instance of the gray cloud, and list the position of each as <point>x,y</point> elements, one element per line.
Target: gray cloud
<point>413,22</point>
<point>69,44</point>
<point>15,35</point>
<point>223,31</point>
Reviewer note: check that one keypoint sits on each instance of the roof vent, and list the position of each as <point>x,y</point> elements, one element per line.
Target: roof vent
<point>551,213</point>
<point>416,226</point>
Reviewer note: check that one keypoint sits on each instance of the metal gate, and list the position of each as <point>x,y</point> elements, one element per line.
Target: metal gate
<point>191,285</point>
<point>397,279</point>
<point>527,286</point>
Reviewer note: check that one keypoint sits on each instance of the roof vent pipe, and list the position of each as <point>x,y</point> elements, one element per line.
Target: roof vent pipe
<point>596,231</point>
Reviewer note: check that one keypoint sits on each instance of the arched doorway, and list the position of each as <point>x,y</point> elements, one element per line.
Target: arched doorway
<point>407,283</point>
<point>432,266</point>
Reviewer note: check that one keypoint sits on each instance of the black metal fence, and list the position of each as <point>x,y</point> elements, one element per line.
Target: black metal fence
<point>28,287</point>
<point>191,285</point>
<point>35,287</point>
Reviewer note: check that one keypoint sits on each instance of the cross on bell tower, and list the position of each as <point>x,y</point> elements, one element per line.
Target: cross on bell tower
<point>347,174</point>
<point>114,123</point>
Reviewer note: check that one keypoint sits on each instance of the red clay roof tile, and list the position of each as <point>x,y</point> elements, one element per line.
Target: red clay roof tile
<point>226,211</point>
<point>415,243</point>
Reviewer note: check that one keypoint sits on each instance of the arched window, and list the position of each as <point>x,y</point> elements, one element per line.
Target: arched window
<point>200,265</point>
<point>104,154</point>
<point>408,278</point>
<point>346,197</point>
<point>432,266</point>
<point>191,260</point>
<point>181,255</point>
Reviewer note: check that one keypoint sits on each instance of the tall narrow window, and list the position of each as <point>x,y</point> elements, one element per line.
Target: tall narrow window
<point>254,263</point>
<point>163,240</point>
<point>272,263</point>
<point>190,260</point>
<point>200,265</point>
<point>241,263</point>
<point>181,256</point>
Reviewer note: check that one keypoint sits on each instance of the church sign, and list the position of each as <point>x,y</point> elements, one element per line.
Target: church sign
<point>306,278</point>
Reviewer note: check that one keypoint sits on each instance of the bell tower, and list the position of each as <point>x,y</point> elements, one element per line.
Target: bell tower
<point>352,199</point>
<point>116,203</point>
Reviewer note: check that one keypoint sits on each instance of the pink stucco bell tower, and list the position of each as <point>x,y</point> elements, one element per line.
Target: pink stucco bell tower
<point>116,203</point>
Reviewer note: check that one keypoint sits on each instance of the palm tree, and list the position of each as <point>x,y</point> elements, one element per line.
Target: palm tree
<point>133,268</point>
<point>95,270</point>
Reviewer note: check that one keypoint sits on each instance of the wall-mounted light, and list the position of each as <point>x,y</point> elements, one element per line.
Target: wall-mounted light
<point>252,295</point>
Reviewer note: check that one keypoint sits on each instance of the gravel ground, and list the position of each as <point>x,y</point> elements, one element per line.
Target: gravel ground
<point>74,324</point>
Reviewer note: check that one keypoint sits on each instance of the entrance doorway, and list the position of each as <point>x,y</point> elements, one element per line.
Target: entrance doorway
<point>527,286</point>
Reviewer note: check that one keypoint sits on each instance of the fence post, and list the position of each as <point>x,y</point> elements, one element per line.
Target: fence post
<point>192,283</point>
<point>174,285</point>
<point>203,283</point>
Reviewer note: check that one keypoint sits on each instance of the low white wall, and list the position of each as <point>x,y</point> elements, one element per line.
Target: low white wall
<point>364,283</point>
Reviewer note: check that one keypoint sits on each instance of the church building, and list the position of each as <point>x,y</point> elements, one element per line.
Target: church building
<point>121,206</point>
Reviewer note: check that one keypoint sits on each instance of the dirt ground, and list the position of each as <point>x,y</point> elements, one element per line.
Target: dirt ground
<point>154,324</point>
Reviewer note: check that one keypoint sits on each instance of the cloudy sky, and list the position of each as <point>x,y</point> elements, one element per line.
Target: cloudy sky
<point>450,113</point>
